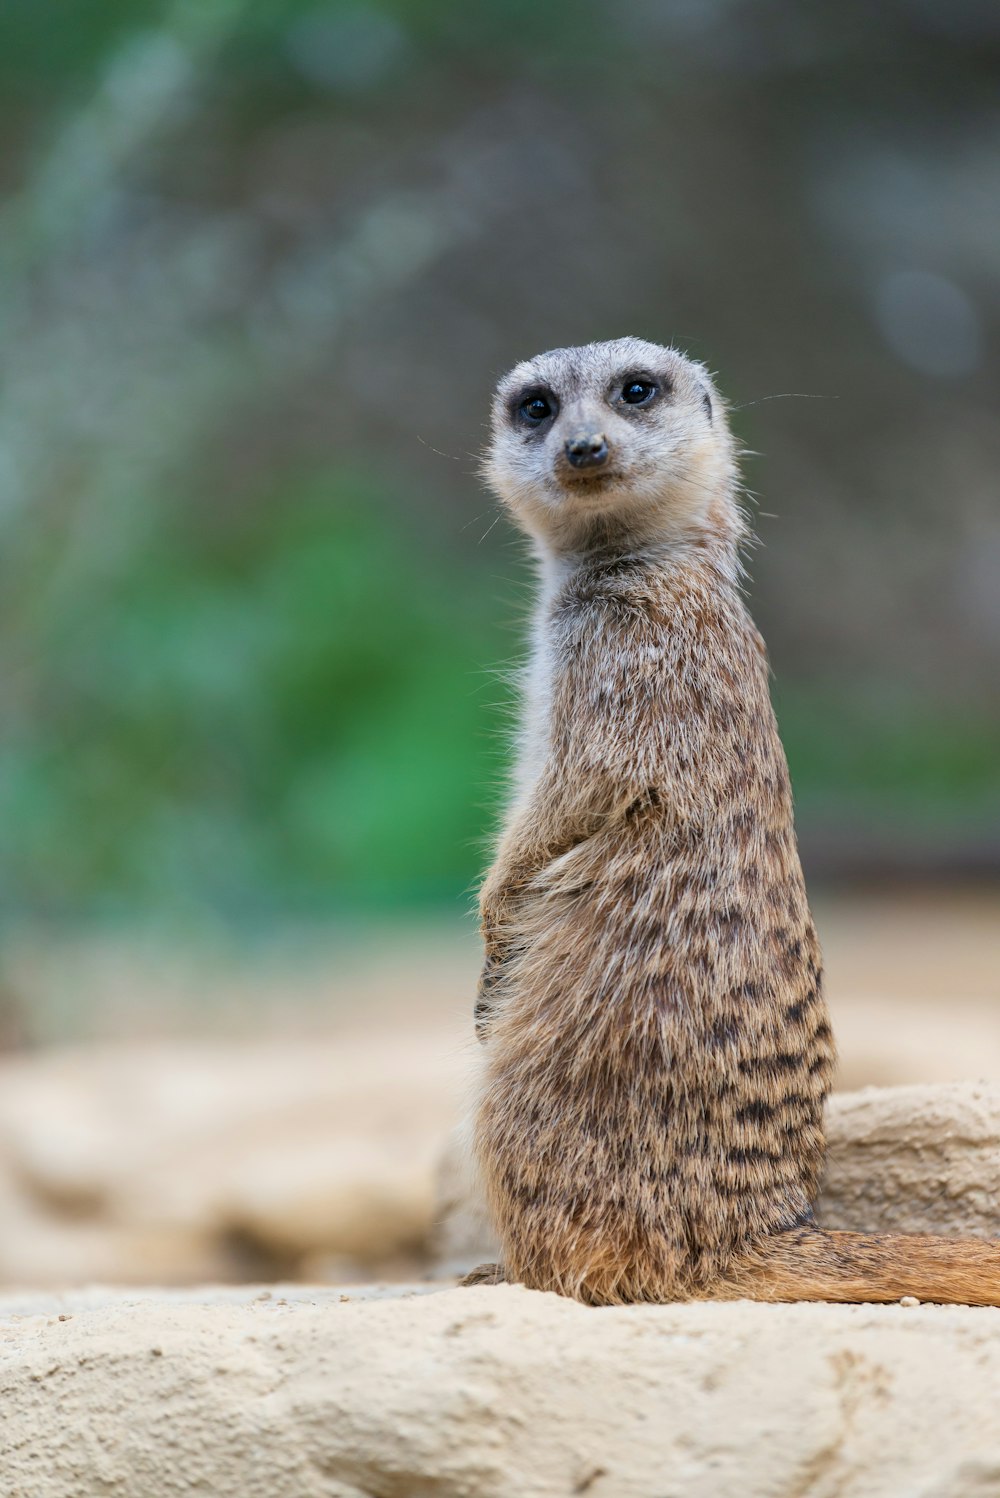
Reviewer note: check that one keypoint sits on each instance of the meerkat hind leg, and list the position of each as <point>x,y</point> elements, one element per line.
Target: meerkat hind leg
<point>485,1274</point>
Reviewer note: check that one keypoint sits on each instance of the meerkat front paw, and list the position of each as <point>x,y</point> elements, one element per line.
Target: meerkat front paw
<point>484,1274</point>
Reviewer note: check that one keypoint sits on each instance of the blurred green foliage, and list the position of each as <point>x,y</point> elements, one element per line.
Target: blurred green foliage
<point>293,713</point>
<point>248,659</point>
<point>75,37</point>
<point>891,756</point>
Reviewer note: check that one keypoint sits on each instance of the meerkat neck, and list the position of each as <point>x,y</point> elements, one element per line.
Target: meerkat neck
<point>713,542</point>
<point>697,519</point>
<point>706,562</point>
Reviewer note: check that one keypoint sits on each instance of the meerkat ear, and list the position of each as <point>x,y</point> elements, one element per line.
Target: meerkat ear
<point>706,396</point>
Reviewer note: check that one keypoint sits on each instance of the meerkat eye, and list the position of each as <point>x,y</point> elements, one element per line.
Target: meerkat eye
<point>638,392</point>
<point>535,407</point>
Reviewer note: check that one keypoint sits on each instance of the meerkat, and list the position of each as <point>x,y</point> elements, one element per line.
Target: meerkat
<point>657,1047</point>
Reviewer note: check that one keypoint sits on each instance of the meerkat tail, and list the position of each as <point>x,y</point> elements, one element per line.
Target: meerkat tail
<point>809,1264</point>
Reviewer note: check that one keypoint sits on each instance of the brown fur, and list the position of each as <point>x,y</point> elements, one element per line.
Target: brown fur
<point>657,1044</point>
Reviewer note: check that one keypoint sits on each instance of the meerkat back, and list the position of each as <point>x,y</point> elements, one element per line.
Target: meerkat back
<point>657,1049</point>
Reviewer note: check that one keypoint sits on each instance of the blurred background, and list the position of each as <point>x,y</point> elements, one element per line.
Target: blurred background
<point>260,267</point>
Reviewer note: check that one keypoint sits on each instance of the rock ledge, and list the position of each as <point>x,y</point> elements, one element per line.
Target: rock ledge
<point>490,1392</point>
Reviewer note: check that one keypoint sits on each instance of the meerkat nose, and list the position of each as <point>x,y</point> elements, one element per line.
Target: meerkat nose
<point>587,450</point>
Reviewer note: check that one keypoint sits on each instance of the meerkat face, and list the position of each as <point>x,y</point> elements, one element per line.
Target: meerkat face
<point>610,439</point>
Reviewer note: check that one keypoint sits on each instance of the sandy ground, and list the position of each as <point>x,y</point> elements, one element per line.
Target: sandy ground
<point>495,1393</point>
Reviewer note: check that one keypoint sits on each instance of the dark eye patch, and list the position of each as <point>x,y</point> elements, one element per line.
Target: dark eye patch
<point>533,406</point>
<point>640,388</point>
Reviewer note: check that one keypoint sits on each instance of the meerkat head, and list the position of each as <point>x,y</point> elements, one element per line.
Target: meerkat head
<point>622,441</point>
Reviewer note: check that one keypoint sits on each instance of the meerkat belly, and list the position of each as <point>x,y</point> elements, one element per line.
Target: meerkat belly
<point>655,1075</point>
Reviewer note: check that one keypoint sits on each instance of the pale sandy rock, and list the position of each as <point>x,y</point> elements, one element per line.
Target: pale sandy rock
<point>914,1160</point>
<point>463,1234</point>
<point>496,1393</point>
<point>113,1159</point>
<point>42,1247</point>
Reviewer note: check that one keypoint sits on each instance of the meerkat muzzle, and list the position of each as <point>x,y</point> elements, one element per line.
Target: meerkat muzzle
<point>587,450</point>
